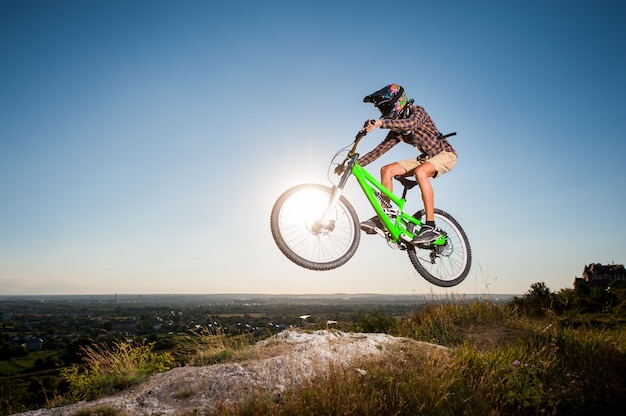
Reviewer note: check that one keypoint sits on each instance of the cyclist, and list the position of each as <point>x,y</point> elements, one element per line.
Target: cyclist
<point>410,124</point>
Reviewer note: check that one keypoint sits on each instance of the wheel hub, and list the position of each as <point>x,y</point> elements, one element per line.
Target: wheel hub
<point>320,228</point>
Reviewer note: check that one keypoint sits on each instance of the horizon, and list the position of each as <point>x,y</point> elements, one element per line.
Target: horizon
<point>253,294</point>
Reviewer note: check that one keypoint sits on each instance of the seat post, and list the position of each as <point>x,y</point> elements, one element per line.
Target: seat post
<point>407,183</point>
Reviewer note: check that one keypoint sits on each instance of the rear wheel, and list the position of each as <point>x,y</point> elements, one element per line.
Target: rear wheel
<point>306,238</point>
<point>446,265</point>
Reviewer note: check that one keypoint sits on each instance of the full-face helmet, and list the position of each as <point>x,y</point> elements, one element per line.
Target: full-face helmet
<point>391,101</point>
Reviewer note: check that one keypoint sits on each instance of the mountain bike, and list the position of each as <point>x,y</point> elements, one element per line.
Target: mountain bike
<point>317,228</point>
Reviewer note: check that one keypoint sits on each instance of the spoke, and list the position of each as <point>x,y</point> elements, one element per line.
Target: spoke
<point>452,260</point>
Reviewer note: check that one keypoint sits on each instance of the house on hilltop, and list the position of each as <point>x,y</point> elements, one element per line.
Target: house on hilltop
<point>597,274</point>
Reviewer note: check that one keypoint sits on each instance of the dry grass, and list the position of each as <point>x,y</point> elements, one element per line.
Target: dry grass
<point>499,362</point>
<point>211,346</point>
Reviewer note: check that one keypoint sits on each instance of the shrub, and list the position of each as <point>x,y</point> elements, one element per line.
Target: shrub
<point>374,321</point>
<point>538,301</point>
<point>113,368</point>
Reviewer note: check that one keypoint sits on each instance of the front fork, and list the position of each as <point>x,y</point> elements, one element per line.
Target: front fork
<point>326,219</point>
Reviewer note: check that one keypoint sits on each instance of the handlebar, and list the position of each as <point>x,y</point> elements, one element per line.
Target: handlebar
<point>359,136</point>
<point>339,169</point>
<point>363,132</point>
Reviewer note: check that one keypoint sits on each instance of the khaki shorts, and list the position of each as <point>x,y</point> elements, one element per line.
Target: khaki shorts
<point>443,163</point>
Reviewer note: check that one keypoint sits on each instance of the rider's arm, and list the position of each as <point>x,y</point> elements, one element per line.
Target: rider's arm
<point>383,147</point>
<point>416,119</point>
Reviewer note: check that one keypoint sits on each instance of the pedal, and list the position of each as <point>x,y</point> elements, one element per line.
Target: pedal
<point>373,231</point>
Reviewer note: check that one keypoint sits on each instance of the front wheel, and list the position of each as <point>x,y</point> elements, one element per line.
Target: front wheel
<point>305,236</point>
<point>446,265</point>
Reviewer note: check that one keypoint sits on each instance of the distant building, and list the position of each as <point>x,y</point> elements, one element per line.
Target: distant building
<point>597,274</point>
<point>5,315</point>
<point>34,344</point>
<point>125,325</point>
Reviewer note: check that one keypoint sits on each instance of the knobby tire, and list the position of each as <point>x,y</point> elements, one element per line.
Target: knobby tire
<point>452,264</point>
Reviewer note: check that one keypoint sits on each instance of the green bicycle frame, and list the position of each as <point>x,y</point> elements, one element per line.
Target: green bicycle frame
<point>398,227</point>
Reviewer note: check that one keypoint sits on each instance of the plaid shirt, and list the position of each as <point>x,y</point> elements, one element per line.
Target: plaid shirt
<point>418,130</point>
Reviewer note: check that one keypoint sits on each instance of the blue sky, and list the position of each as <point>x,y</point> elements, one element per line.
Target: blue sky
<point>143,143</point>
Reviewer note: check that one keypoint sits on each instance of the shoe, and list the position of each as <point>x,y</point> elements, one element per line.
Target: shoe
<point>370,225</point>
<point>427,234</point>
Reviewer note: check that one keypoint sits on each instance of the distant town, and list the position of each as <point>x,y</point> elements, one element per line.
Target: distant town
<point>35,323</point>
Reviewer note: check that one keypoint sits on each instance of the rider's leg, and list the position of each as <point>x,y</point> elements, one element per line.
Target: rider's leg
<point>423,173</point>
<point>387,173</point>
<point>433,167</point>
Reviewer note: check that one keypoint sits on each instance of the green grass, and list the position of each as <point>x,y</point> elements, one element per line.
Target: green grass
<point>112,368</point>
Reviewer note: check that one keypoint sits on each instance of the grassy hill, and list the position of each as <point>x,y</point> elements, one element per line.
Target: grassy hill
<point>542,353</point>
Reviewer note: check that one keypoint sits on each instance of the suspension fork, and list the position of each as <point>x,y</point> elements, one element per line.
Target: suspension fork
<point>338,189</point>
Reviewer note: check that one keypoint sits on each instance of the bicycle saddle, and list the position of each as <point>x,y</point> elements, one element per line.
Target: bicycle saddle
<point>406,182</point>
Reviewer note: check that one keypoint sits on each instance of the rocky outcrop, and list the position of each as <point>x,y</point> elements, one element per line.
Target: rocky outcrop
<point>275,364</point>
